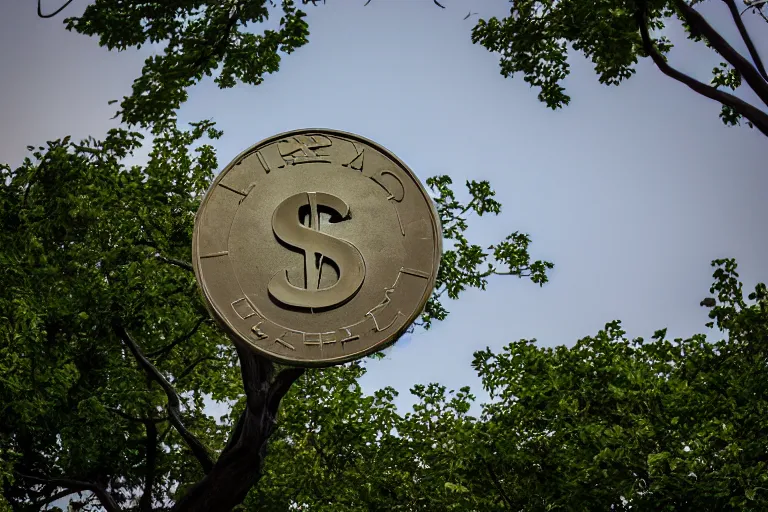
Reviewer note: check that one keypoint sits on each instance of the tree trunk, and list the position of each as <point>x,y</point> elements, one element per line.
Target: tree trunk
<point>236,471</point>
<point>239,467</point>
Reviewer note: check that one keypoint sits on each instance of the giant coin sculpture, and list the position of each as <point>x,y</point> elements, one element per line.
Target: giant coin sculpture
<point>316,247</point>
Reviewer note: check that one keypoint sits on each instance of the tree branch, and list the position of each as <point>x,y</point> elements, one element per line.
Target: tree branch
<point>179,340</point>
<point>497,484</point>
<point>189,369</point>
<point>165,432</point>
<point>179,263</point>
<point>239,466</point>
<point>107,501</point>
<point>174,404</point>
<point>54,497</point>
<point>746,37</point>
<point>57,11</point>
<point>217,48</point>
<point>260,389</point>
<point>145,503</point>
<point>756,6</point>
<point>753,114</point>
<point>742,65</point>
<point>281,385</point>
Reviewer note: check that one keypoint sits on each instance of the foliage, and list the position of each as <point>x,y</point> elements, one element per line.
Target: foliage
<point>80,239</point>
<point>610,423</point>
<point>93,256</point>
<point>462,265</point>
<point>534,40</point>
<point>107,354</point>
<point>108,351</point>
<point>198,39</point>
<point>203,38</point>
<point>338,449</point>
<point>614,423</point>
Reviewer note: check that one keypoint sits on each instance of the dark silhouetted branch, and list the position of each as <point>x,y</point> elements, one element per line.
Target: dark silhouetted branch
<point>57,11</point>
<point>181,339</point>
<point>753,114</point>
<point>742,65</point>
<point>497,485</point>
<point>179,263</point>
<point>164,433</point>
<point>216,48</point>
<point>746,37</point>
<point>240,464</point>
<point>281,386</point>
<point>107,501</point>
<point>194,364</point>
<point>757,7</point>
<point>174,404</point>
<point>145,503</point>
<point>54,497</point>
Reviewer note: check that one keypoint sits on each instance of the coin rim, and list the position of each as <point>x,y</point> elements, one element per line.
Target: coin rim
<point>235,336</point>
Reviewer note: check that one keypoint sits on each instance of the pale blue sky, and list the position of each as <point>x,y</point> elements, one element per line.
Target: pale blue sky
<point>630,191</point>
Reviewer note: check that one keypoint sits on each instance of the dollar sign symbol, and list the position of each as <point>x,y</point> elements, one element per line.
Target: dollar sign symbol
<point>314,244</point>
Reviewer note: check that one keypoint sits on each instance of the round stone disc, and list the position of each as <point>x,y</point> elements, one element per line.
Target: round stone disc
<point>316,247</point>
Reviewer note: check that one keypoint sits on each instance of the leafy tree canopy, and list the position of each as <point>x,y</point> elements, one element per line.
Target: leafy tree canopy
<point>106,350</point>
<point>199,38</point>
<point>534,40</point>
<point>611,423</point>
<point>202,38</point>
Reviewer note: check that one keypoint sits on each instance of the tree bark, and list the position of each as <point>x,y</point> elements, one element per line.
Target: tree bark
<point>239,467</point>
<point>145,503</point>
<point>728,52</point>
<point>756,116</point>
<point>747,38</point>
